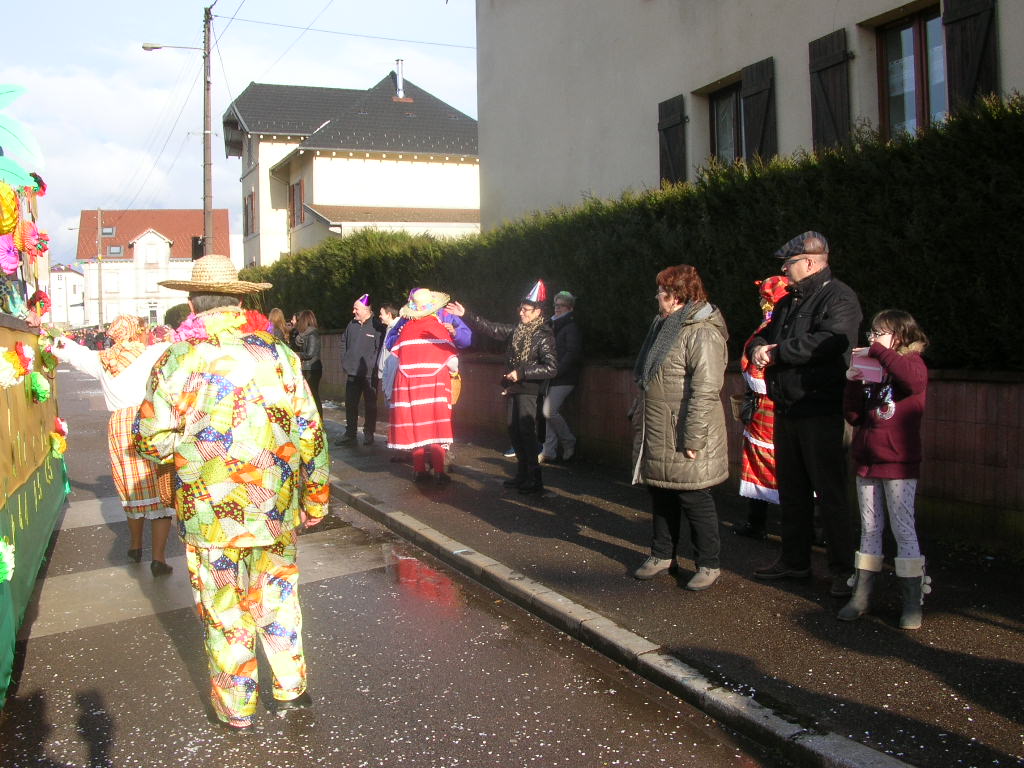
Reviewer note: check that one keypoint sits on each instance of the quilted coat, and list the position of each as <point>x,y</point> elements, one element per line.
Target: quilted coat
<point>679,407</point>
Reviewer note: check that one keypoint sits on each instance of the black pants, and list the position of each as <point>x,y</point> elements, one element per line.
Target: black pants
<point>312,377</point>
<point>522,431</point>
<point>668,507</point>
<point>810,461</point>
<point>366,388</point>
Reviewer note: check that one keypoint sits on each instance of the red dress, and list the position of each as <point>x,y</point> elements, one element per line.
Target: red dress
<point>758,479</point>
<point>421,402</point>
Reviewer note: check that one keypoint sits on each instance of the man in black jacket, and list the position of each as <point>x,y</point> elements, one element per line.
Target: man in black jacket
<point>360,347</point>
<point>806,351</point>
<point>559,439</point>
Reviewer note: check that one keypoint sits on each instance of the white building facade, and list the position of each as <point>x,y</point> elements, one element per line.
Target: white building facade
<point>596,97</point>
<point>67,294</point>
<point>324,162</point>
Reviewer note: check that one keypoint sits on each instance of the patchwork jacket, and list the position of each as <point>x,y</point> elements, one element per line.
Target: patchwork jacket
<point>233,413</point>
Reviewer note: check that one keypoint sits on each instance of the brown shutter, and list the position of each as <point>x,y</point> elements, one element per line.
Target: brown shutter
<point>757,96</point>
<point>302,200</point>
<point>672,139</point>
<point>830,89</point>
<point>291,206</point>
<point>971,55</point>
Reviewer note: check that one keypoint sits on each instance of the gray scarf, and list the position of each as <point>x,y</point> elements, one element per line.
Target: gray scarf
<point>661,339</point>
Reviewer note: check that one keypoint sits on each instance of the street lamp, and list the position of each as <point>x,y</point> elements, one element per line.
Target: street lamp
<point>207,130</point>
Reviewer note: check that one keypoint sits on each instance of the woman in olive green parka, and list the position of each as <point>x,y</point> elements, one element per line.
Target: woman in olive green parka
<point>679,446</point>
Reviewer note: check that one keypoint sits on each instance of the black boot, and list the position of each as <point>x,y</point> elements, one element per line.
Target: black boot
<point>519,479</point>
<point>864,578</point>
<point>533,483</point>
<point>914,585</point>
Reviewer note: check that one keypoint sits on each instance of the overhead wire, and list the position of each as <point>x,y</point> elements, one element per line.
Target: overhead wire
<point>355,34</point>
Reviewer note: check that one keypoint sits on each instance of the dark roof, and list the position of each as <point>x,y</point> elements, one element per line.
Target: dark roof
<point>336,214</point>
<point>290,109</point>
<point>342,119</point>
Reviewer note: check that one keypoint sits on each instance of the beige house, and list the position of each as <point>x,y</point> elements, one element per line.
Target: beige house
<point>594,97</point>
<point>140,248</point>
<point>323,162</point>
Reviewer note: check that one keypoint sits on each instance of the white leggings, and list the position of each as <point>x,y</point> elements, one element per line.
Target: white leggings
<point>898,495</point>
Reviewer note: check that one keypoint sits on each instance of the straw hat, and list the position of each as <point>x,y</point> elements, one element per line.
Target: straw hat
<point>423,302</point>
<point>214,273</point>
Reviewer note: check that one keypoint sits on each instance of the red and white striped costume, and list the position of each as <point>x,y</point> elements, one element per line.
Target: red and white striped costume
<point>758,479</point>
<point>421,402</point>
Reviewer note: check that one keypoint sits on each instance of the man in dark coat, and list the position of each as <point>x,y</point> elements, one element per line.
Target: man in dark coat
<point>360,348</point>
<point>805,350</point>
<point>569,349</point>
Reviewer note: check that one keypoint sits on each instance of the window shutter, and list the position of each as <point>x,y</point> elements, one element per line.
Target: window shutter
<point>291,206</point>
<point>971,54</point>
<point>757,94</point>
<point>672,139</point>
<point>302,200</point>
<point>830,89</point>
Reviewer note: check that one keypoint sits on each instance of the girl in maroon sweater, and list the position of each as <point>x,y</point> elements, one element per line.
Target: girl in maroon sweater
<point>887,452</point>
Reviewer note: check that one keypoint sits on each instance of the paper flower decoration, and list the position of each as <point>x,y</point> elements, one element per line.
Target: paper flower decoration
<point>58,445</point>
<point>10,357</point>
<point>26,355</point>
<point>40,302</point>
<point>40,387</point>
<point>8,372</point>
<point>10,209</point>
<point>10,259</point>
<point>60,426</point>
<point>40,185</point>
<point>6,561</point>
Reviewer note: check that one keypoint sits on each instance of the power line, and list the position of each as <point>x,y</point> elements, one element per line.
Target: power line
<point>354,34</point>
<point>299,37</point>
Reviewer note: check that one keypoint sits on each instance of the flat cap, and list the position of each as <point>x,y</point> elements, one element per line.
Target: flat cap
<point>808,242</point>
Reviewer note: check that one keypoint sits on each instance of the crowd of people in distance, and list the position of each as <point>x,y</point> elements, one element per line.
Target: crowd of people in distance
<point>218,425</point>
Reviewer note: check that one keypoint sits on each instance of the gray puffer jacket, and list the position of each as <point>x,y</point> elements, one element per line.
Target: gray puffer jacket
<point>680,372</point>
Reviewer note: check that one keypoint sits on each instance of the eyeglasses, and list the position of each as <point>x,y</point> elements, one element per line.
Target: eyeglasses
<point>793,260</point>
<point>876,333</point>
<point>559,304</point>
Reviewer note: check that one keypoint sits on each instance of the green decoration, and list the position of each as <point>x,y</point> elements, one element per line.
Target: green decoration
<point>6,561</point>
<point>40,387</point>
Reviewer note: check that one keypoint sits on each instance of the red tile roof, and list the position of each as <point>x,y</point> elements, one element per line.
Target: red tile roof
<point>178,226</point>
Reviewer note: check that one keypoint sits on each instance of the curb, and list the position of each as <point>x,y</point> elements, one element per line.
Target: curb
<point>802,746</point>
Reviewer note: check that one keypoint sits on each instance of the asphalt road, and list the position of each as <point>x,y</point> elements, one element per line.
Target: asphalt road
<point>410,663</point>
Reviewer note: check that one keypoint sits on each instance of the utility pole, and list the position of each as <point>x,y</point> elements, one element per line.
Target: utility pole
<point>99,266</point>
<point>207,137</point>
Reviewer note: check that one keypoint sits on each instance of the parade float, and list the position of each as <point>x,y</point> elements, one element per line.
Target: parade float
<point>33,477</point>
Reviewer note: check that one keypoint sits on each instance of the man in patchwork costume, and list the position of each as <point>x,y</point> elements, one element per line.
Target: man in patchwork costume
<point>228,406</point>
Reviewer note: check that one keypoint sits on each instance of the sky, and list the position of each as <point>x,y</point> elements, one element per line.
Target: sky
<point>120,127</point>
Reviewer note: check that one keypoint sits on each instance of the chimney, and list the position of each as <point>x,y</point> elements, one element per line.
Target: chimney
<point>399,81</point>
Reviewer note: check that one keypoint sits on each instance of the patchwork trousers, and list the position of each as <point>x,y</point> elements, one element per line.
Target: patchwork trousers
<point>243,594</point>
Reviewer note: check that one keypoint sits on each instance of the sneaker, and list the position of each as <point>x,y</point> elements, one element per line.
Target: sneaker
<point>542,459</point>
<point>346,440</point>
<point>421,478</point>
<point>654,566</point>
<point>368,439</point>
<point>703,578</point>
<point>749,531</point>
<point>302,701</point>
<point>779,570</point>
<point>509,453</point>
<point>841,585</point>
<point>513,482</point>
<point>529,487</point>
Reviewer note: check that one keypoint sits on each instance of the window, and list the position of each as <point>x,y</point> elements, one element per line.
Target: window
<point>295,203</point>
<point>108,231</point>
<point>912,68</point>
<point>152,313</point>
<point>249,215</point>
<point>742,115</point>
<point>152,257</point>
<point>111,281</point>
<point>727,124</point>
<point>114,250</point>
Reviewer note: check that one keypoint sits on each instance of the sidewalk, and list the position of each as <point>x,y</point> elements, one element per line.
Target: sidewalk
<point>769,658</point>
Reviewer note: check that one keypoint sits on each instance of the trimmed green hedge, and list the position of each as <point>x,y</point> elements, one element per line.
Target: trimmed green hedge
<point>932,223</point>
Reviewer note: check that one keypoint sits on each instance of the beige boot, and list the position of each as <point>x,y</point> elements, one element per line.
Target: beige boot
<point>914,585</point>
<point>861,581</point>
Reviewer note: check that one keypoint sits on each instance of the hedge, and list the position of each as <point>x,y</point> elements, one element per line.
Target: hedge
<point>932,223</point>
